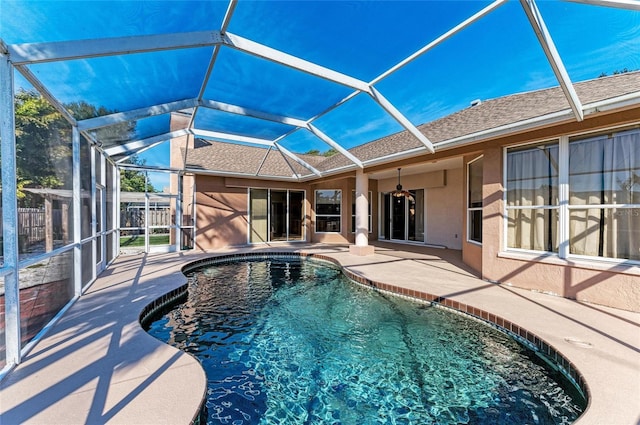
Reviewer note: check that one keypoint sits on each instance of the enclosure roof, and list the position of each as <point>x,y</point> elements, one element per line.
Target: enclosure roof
<point>277,79</point>
<point>474,124</point>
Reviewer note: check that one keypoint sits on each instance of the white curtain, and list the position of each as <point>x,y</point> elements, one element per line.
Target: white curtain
<point>532,180</point>
<point>605,170</point>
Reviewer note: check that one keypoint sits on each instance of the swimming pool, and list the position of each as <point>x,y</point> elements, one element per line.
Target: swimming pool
<point>294,341</point>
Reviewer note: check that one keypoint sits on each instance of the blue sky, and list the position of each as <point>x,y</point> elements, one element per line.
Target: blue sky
<point>496,56</point>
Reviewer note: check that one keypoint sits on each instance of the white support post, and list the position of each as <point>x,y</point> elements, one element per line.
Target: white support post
<point>94,222</point>
<point>362,246</point>
<point>9,212</point>
<point>116,206</point>
<point>146,213</point>
<point>550,51</point>
<point>178,214</point>
<point>77,213</point>
<point>563,189</point>
<point>214,58</point>
<point>254,113</point>
<point>136,114</point>
<point>232,137</point>
<point>31,53</point>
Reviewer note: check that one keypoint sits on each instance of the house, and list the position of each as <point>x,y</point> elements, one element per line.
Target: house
<point>531,196</point>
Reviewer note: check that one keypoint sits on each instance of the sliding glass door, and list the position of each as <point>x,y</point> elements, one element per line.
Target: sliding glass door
<point>275,215</point>
<point>403,217</point>
<point>296,215</point>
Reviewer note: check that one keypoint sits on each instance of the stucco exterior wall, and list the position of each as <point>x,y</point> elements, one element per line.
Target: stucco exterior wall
<point>222,218</point>
<point>443,203</point>
<point>471,251</point>
<point>445,211</point>
<point>221,214</point>
<point>600,282</point>
<point>345,235</point>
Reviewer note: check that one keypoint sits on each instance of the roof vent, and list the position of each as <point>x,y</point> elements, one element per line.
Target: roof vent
<point>476,102</point>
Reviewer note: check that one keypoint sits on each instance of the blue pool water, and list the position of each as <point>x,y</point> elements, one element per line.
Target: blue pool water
<point>295,342</point>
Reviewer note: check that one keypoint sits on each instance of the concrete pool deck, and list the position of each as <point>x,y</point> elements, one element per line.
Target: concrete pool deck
<point>97,365</point>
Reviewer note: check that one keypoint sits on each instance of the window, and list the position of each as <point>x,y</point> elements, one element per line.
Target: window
<point>577,196</point>
<point>353,212</point>
<point>604,196</point>
<point>328,210</point>
<point>474,201</point>
<point>532,197</point>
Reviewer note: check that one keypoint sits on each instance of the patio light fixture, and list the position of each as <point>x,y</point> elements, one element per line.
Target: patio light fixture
<point>399,193</point>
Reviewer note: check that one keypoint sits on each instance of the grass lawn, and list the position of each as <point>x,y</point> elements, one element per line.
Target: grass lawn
<point>138,240</point>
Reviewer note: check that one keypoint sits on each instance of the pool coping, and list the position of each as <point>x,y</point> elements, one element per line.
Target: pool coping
<point>137,392</point>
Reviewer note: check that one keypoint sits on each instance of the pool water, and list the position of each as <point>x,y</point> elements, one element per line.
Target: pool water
<point>288,341</point>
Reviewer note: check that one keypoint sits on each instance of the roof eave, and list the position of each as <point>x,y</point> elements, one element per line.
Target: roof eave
<point>567,115</point>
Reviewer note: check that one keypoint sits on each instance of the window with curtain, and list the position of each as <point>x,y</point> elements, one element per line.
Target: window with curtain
<point>532,197</point>
<point>604,195</point>
<point>328,204</point>
<point>353,211</point>
<point>600,209</point>
<point>474,202</point>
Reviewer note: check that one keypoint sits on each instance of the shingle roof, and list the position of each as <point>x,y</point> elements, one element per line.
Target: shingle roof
<point>234,158</point>
<point>489,114</point>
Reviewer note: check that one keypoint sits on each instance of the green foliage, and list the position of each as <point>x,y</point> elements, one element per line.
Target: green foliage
<point>327,153</point>
<point>616,72</point>
<point>43,145</point>
<point>330,152</point>
<point>44,138</point>
<point>134,180</point>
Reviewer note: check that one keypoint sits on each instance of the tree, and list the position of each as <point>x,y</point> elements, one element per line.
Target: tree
<point>43,142</point>
<point>327,153</point>
<point>43,145</point>
<point>616,72</point>
<point>40,143</point>
<point>134,180</point>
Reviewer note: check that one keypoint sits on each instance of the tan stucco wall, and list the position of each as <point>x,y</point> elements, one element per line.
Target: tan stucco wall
<point>221,209</point>
<point>221,214</point>
<point>445,211</point>
<point>471,251</point>
<point>346,185</point>
<point>597,282</point>
<point>443,203</point>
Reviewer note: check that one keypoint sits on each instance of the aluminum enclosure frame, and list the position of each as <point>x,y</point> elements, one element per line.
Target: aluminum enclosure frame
<point>19,57</point>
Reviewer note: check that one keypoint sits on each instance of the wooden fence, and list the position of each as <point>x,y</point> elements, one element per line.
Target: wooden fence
<point>32,224</point>
<point>135,217</point>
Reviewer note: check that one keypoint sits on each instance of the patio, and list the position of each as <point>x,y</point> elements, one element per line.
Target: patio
<point>97,364</point>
